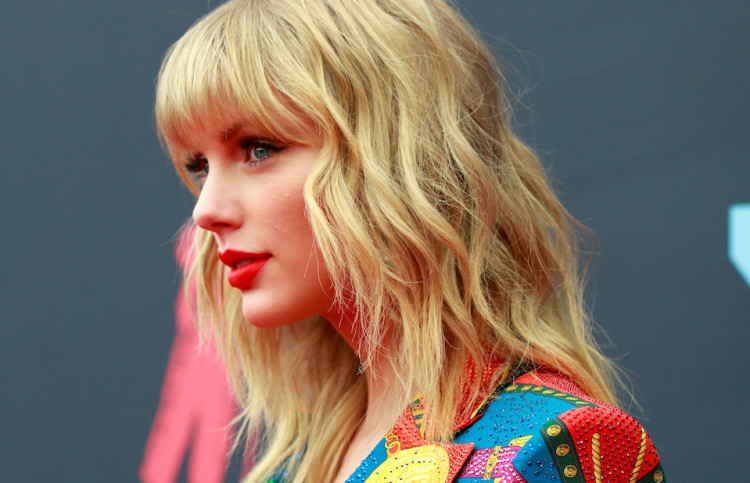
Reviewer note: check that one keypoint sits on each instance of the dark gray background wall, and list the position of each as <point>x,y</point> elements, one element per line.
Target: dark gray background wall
<point>639,108</point>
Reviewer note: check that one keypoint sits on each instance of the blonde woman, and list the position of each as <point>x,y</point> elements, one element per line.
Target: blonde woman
<point>392,283</point>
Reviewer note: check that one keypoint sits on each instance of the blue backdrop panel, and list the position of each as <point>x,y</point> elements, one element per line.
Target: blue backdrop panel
<point>739,239</point>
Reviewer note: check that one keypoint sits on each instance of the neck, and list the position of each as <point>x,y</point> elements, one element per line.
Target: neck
<point>385,401</point>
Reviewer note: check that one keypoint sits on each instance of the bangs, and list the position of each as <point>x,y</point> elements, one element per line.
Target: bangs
<point>223,72</point>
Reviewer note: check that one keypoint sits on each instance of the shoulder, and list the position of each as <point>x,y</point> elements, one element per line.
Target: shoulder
<point>543,426</point>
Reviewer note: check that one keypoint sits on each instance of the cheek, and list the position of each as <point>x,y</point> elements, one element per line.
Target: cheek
<point>286,214</point>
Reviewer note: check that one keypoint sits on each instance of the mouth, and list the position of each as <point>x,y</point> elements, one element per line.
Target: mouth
<point>244,266</point>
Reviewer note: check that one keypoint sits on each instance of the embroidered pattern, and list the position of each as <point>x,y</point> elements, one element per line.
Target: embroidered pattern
<point>536,428</point>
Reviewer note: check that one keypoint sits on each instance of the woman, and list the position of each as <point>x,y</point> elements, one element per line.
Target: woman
<point>376,247</point>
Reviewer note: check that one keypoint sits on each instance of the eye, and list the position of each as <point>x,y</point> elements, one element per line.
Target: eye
<point>198,167</point>
<point>258,150</point>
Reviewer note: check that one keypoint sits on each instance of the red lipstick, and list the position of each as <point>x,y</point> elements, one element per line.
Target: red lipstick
<point>245,266</point>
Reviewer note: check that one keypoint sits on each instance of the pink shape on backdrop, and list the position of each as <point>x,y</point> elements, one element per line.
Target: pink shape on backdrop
<point>196,406</point>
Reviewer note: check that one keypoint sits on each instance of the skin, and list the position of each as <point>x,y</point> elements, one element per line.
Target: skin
<point>251,199</point>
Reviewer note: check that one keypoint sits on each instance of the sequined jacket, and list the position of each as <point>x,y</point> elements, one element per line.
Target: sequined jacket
<point>539,427</point>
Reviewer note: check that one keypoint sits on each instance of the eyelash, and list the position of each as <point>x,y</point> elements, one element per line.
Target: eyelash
<point>198,165</point>
<point>249,144</point>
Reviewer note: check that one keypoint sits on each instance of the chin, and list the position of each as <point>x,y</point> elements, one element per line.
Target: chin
<point>262,321</point>
<point>267,308</point>
<point>264,317</point>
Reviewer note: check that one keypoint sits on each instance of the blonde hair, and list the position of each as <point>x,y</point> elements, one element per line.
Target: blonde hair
<point>427,209</point>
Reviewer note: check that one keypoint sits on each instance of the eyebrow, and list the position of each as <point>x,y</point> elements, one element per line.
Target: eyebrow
<point>236,127</point>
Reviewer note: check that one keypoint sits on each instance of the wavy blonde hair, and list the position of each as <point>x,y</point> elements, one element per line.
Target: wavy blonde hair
<point>428,211</point>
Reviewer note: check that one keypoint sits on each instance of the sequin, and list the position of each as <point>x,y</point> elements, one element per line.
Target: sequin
<point>540,427</point>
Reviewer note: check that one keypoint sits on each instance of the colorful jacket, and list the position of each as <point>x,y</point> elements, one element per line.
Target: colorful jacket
<point>539,427</point>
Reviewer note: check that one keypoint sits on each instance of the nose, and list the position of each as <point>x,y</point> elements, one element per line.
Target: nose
<point>217,209</point>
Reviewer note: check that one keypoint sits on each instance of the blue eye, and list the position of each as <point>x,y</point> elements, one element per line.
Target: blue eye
<point>198,166</point>
<point>260,152</point>
<point>257,151</point>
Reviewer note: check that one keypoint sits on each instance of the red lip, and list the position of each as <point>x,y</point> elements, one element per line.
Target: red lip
<point>251,263</point>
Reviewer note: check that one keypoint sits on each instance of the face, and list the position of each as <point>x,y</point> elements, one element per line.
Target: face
<point>251,199</point>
